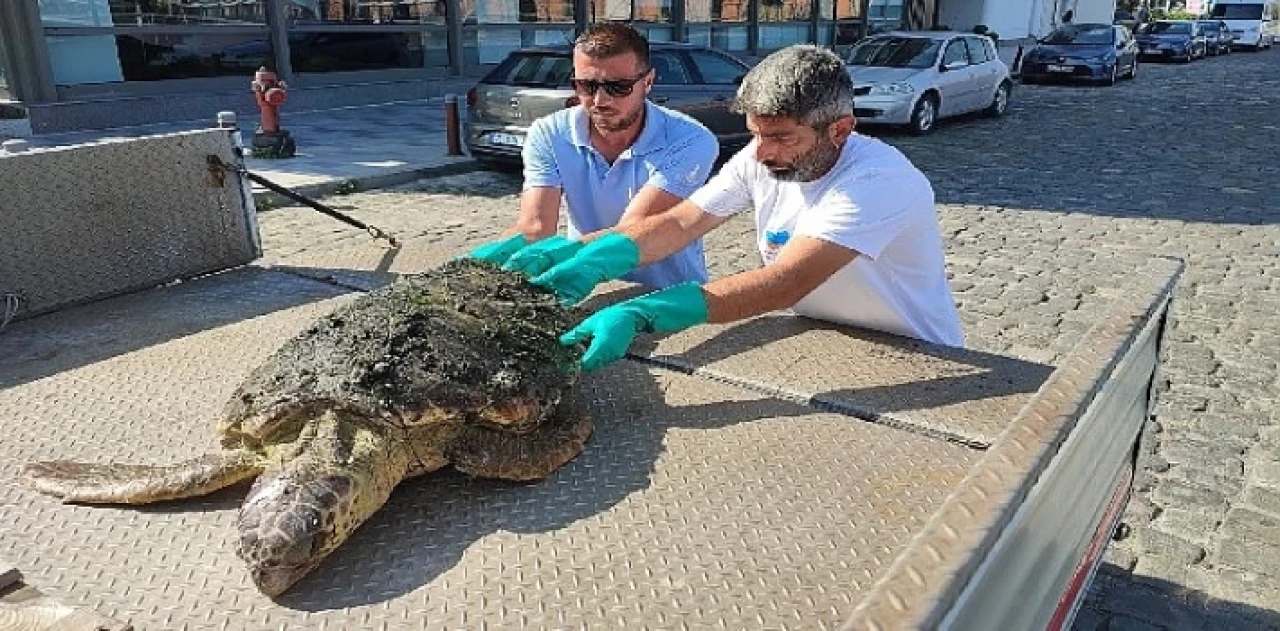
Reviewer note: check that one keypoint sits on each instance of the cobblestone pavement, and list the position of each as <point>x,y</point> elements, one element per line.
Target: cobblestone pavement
<point>1040,210</point>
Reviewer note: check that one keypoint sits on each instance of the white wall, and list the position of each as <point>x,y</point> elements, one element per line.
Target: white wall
<point>1095,11</point>
<point>960,15</point>
<point>1009,18</point>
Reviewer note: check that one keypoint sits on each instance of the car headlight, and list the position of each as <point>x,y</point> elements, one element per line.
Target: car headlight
<point>892,88</point>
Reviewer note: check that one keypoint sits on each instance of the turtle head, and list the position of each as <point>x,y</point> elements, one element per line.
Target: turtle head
<point>290,522</point>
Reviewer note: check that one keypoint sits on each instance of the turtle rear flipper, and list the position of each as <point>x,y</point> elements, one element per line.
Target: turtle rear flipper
<point>487,453</point>
<point>138,484</point>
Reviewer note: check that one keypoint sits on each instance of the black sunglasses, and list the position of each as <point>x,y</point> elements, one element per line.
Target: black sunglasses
<point>616,88</point>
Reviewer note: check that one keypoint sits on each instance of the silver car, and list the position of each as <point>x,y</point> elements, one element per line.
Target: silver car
<point>534,82</point>
<point>917,78</point>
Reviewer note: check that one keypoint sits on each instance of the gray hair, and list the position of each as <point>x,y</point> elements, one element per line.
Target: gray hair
<point>805,82</point>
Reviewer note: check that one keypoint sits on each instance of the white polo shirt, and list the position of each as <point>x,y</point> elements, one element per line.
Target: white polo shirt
<point>873,201</point>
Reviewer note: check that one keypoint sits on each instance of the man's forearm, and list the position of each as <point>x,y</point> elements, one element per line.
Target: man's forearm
<point>659,236</point>
<point>747,294</point>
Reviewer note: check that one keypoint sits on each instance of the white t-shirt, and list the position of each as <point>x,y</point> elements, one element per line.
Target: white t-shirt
<point>873,201</point>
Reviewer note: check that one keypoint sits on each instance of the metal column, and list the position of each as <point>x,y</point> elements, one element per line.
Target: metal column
<point>581,13</point>
<point>453,26</point>
<point>22,35</point>
<point>278,32</point>
<point>753,27</point>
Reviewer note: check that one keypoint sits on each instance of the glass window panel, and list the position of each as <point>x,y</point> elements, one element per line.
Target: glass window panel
<point>715,10</point>
<point>727,38</point>
<point>839,9</point>
<point>351,51</point>
<point>781,36</point>
<point>365,11</point>
<point>83,13</point>
<point>628,10</point>
<point>490,46</point>
<point>784,10</point>
<point>517,11</point>
<point>79,60</point>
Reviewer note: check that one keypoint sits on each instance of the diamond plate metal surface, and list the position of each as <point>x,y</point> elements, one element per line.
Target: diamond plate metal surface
<point>68,210</point>
<point>956,394</point>
<point>696,504</point>
<point>924,581</point>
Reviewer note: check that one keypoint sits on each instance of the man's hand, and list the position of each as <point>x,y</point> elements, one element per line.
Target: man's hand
<point>539,257</point>
<point>613,329</point>
<point>603,259</point>
<point>497,252</point>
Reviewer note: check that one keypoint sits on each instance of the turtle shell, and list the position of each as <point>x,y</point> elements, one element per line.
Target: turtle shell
<point>466,342</point>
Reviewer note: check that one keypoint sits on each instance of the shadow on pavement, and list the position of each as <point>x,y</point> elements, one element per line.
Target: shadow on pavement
<point>1160,604</point>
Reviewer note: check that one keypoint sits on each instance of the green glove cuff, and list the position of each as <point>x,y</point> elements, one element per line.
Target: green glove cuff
<point>675,308</point>
<point>612,255</point>
<point>541,256</point>
<point>497,252</point>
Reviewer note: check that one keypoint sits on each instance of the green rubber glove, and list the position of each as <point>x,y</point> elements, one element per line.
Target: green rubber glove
<point>613,328</point>
<point>539,257</point>
<point>497,252</point>
<point>604,259</point>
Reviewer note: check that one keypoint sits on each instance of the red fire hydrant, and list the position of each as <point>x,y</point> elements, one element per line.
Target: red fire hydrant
<point>270,141</point>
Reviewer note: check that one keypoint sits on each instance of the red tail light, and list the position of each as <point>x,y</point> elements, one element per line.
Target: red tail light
<point>572,101</point>
<point>472,95</point>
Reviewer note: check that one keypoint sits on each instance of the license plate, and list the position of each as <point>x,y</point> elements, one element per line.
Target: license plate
<point>1061,69</point>
<point>506,140</point>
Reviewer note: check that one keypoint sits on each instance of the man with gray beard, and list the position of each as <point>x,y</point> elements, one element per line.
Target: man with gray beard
<point>846,226</point>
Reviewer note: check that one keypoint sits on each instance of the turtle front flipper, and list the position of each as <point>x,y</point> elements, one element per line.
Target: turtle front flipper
<point>139,484</point>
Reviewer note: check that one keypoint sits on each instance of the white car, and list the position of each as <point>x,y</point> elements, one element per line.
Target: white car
<point>917,78</point>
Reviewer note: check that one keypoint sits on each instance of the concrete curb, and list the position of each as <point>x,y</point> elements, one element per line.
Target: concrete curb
<point>266,200</point>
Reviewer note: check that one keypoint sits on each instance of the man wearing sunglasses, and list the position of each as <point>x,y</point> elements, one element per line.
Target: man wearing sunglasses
<point>846,226</point>
<point>613,160</point>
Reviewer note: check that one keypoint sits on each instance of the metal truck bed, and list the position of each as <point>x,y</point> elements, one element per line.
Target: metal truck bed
<point>776,473</point>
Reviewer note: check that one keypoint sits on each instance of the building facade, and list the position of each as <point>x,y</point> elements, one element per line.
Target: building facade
<point>78,53</point>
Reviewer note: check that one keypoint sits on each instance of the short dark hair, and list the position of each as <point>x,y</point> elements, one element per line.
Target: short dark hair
<point>610,39</point>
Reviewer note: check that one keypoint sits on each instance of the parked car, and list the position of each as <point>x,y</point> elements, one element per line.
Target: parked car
<point>1217,37</point>
<point>1089,52</point>
<point>1255,24</point>
<point>1180,40</point>
<point>917,78</point>
<point>534,82</point>
<point>1127,20</point>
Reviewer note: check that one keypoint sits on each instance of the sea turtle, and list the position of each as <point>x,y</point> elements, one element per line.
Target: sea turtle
<point>458,365</point>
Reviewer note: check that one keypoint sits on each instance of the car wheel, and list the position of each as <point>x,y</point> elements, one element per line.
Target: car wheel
<point>999,102</point>
<point>925,116</point>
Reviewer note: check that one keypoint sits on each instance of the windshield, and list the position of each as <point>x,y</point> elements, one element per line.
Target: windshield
<point>1080,35</point>
<point>1237,11</point>
<point>535,70</point>
<point>895,52</point>
<point>1169,28</point>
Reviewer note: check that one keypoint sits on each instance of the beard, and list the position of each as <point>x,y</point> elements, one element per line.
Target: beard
<point>808,166</point>
<point>609,120</point>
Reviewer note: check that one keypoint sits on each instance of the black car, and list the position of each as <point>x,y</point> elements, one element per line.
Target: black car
<point>1217,37</point>
<point>1177,40</point>
<point>1090,52</point>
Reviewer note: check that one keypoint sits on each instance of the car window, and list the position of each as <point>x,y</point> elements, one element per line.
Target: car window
<point>978,52</point>
<point>1082,34</point>
<point>669,70</point>
<point>894,52</point>
<point>531,70</point>
<point>955,52</point>
<point>1169,28</point>
<point>715,69</point>
<point>1237,11</point>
